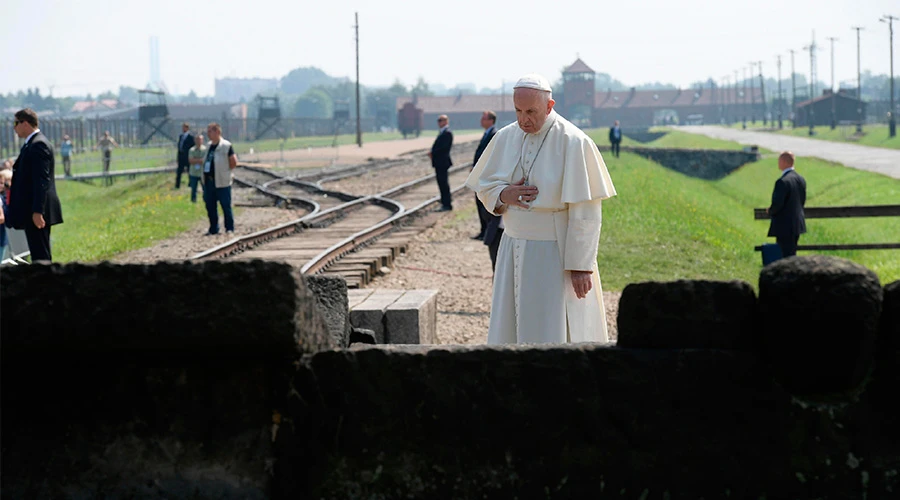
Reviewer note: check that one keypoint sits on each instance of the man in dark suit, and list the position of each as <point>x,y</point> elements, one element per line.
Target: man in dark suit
<point>185,143</point>
<point>33,204</point>
<point>788,198</point>
<point>615,138</point>
<point>488,122</point>
<point>441,162</point>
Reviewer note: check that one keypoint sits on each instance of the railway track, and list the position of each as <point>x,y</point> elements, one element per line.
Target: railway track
<point>353,236</point>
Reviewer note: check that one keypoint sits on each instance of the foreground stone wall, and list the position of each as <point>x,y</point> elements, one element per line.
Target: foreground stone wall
<point>159,381</point>
<point>709,164</point>
<point>734,397</point>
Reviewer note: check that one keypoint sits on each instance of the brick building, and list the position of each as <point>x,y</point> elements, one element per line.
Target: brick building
<point>847,108</point>
<point>581,103</point>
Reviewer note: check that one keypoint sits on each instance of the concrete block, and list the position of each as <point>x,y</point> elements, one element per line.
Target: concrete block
<point>369,313</point>
<point>412,318</point>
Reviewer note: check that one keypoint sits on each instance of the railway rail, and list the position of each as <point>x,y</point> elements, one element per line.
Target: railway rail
<point>354,236</point>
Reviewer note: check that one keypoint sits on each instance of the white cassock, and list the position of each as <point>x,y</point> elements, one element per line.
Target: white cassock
<point>533,299</point>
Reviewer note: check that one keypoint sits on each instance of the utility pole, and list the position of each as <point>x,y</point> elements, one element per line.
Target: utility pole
<point>725,99</point>
<point>762,93</point>
<point>744,98</point>
<point>793,92</point>
<point>780,100</point>
<point>833,112</point>
<point>892,123</point>
<point>858,84</point>
<point>752,96</point>
<point>358,118</point>
<point>811,113</point>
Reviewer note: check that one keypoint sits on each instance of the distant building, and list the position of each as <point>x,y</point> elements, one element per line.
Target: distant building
<point>847,108</point>
<point>581,103</point>
<point>102,105</point>
<point>243,89</point>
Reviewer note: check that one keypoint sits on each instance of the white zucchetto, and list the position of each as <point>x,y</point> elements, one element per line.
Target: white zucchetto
<point>533,81</point>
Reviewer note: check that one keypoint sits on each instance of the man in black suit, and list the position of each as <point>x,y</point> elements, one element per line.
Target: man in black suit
<point>185,143</point>
<point>615,138</point>
<point>441,162</point>
<point>33,204</point>
<point>488,122</point>
<point>788,198</point>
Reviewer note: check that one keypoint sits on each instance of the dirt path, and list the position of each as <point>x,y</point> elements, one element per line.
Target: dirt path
<point>879,160</point>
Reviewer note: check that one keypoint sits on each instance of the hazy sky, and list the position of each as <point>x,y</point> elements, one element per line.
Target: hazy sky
<point>95,45</point>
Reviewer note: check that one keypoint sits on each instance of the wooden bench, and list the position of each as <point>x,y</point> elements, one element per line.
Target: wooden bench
<point>842,212</point>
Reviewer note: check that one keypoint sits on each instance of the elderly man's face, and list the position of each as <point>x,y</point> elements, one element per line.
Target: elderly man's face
<point>532,108</point>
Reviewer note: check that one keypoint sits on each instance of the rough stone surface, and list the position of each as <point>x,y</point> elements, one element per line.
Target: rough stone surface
<point>362,336</point>
<point>208,308</point>
<point>710,164</point>
<point>159,381</point>
<point>331,297</point>
<point>687,314</point>
<point>572,421</point>
<point>819,321</point>
<point>889,336</point>
<point>369,312</point>
<point>412,318</point>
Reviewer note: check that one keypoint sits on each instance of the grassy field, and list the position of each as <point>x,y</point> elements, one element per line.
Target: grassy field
<point>673,139</point>
<point>101,222</point>
<point>873,135</point>
<point>666,226</point>
<point>134,158</point>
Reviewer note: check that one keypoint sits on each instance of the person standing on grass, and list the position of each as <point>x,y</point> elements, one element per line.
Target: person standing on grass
<point>195,158</point>
<point>547,179</point>
<point>106,144</point>
<point>65,150</point>
<point>788,199</point>
<point>441,162</point>
<point>33,204</point>
<point>615,138</point>
<point>185,143</point>
<point>217,166</point>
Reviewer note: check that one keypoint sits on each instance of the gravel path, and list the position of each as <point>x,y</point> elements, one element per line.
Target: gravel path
<point>880,160</point>
<point>445,258</point>
<point>189,243</point>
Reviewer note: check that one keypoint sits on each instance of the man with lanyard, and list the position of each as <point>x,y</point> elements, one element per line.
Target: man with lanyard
<point>220,161</point>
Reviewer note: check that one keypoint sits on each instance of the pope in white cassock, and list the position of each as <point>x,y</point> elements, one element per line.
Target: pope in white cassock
<point>547,179</point>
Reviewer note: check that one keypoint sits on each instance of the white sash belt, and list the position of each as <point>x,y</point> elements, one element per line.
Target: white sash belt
<point>535,225</point>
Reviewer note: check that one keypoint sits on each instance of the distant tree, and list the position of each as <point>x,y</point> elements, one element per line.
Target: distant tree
<point>128,94</point>
<point>314,103</point>
<point>300,80</point>
<point>421,88</point>
<point>397,88</point>
<point>107,95</point>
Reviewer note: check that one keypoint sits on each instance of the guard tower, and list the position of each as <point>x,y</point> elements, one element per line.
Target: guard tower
<point>153,114</point>
<point>578,93</point>
<point>341,116</point>
<point>269,117</point>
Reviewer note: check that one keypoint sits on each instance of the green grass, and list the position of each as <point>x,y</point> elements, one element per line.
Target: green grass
<point>102,222</point>
<point>667,226</point>
<point>873,135</point>
<point>673,139</point>
<point>135,158</point>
